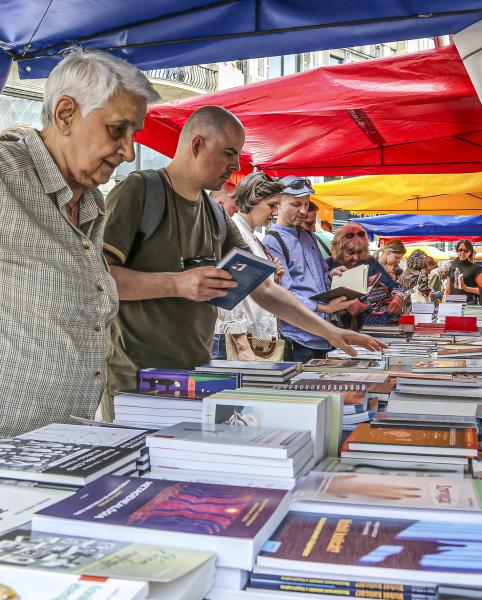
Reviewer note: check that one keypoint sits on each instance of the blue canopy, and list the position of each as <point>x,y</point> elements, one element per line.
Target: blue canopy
<point>163,33</point>
<point>422,225</point>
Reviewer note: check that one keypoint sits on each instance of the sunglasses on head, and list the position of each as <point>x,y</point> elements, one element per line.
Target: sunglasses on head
<point>299,184</point>
<point>351,234</point>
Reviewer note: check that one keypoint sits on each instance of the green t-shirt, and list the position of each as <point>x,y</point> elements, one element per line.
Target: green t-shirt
<point>166,332</point>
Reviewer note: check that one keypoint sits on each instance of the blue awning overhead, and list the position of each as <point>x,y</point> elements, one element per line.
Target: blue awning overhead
<point>163,33</point>
<point>426,225</point>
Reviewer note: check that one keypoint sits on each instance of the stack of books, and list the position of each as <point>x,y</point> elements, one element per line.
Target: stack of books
<point>64,464</point>
<point>449,309</point>
<point>254,373</point>
<point>262,407</point>
<point>165,397</point>
<point>98,435</point>
<point>228,453</point>
<point>45,566</point>
<point>423,312</point>
<point>433,445</point>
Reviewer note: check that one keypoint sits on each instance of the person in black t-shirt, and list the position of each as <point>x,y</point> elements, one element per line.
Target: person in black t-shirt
<point>464,276</point>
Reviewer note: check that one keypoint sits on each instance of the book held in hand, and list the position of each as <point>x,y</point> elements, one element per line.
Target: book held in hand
<point>248,270</point>
<point>352,284</point>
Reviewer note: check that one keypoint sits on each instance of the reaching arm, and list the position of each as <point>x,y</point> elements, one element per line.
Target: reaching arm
<point>283,304</point>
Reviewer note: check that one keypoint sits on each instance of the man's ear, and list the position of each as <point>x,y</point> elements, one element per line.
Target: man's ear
<point>65,111</point>
<point>196,145</point>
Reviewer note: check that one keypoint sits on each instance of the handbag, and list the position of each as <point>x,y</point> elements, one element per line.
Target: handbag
<point>263,349</point>
<point>417,296</point>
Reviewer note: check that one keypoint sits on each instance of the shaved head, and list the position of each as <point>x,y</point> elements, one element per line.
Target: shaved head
<point>207,122</point>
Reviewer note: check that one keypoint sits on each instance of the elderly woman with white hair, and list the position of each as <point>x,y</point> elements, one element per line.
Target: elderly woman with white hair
<point>58,297</point>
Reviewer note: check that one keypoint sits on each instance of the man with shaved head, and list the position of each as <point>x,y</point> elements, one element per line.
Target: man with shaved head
<point>164,282</point>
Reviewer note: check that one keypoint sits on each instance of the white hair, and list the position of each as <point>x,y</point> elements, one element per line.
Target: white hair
<point>91,79</point>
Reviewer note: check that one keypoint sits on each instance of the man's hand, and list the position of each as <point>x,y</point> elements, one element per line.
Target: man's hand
<point>203,283</point>
<point>395,306</point>
<point>280,271</point>
<point>335,305</point>
<point>337,271</point>
<point>342,338</point>
<point>357,308</point>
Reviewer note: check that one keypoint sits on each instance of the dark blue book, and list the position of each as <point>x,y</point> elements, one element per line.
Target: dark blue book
<point>248,270</point>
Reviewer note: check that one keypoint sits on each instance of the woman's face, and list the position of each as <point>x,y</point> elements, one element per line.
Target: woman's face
<point>102,140</point>
<point>463,253</point>
<point>351,257</point>
<point>393,258</point>
<point>264,211</point>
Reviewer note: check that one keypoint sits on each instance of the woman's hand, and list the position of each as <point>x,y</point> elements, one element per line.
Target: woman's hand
<point>357,308</point>
<point>395,306</point>
<point>337,271</point>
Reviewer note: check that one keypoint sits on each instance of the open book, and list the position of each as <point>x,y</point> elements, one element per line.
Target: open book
<point>352,284</point>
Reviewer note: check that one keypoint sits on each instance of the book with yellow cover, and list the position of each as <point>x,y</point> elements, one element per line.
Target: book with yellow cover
<point>458,442</point>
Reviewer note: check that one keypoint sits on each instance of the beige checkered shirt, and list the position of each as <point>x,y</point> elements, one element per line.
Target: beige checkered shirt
<point>57,297</point>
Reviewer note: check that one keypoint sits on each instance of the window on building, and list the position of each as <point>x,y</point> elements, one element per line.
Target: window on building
<point>335,60</point>
<point>23,111</point>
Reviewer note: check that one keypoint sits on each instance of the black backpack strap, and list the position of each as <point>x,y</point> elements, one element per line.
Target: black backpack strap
<point>220,216</point>
<point>153,210</point>
<point>283,246</point>
<point>320,242</point>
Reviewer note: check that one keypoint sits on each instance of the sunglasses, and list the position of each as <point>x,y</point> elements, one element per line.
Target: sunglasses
<point>351,234</point>
<point>299,184</point>
<point>463,250</point>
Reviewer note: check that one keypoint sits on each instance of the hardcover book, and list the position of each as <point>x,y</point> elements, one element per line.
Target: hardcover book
<point>248,271</point>
<point>189,384</point>
<point>232,521</point>
<point>457,442</point>
<point>403,550</point>
<point>59,463</point>
<point>461,365</point>
<point>250,367</point>
<point>352,284</point>
<point>327,365</point>
<point>342,377</point>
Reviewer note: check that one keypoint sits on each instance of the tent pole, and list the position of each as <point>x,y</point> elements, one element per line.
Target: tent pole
<point>5,65</point>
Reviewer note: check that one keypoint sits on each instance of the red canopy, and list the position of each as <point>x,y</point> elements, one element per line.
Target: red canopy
<point>415,113</point>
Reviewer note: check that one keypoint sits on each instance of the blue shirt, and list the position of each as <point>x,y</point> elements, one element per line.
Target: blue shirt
<point>306,274</point>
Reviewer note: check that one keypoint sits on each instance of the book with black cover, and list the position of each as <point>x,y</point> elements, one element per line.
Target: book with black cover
<point>60,463</point>
<point>248,270</point>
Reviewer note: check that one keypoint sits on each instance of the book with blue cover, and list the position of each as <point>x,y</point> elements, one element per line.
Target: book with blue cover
<point>248,270</point>
<point>232,521</point>
<point>182,383</point>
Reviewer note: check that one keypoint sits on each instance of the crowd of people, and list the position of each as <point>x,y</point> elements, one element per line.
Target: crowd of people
<point>90,294</point>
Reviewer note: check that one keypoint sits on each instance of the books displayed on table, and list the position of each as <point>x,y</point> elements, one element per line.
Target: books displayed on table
<point>172,573</point>
<point>440,442</point>
<point>43,585</point>
<point>383,495</point>
<point>90,435</point>
<point>351,365</point>
<point>254,372</point>
<point>232,521</point>
<point>18,505</point>
<point>177,382</point>
<point>51,462</point>
<point>248,271</point>
<point>155,409</point>
<point>460,365</point>
<point>377,548</point>
<point>431,420</point>
<point>379,466</point>
<point>459,351</point>
<point>283,454</point>
<point>342,377</point>
<point>352,283</point>
<point>439,405</point>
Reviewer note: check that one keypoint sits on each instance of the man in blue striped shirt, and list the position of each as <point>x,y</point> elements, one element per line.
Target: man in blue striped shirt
<point>306,272</point>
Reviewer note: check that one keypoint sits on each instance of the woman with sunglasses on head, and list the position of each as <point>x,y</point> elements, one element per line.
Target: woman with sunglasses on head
<point>383,304</point>
<point>464,277</point>
<point>256,199</point>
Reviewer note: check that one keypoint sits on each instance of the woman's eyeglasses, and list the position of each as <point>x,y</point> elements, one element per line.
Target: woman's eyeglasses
<point>463,250</point>
<point>351,234</point>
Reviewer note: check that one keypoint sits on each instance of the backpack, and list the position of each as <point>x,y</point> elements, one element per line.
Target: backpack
<point>155,207</point>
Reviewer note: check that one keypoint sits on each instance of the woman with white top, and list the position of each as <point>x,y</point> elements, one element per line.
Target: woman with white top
<point>257,199</point>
